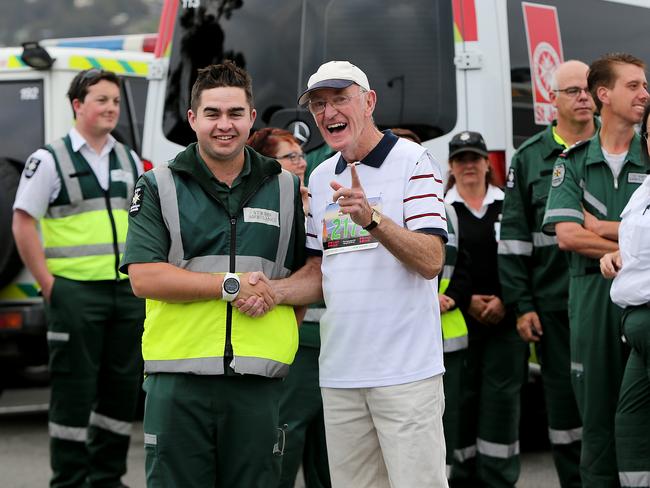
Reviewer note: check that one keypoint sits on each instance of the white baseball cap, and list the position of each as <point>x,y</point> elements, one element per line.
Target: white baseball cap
<point>335,74</point>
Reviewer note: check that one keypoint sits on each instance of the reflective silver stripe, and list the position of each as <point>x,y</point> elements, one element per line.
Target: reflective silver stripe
<point>169,209</point>
<point>245,264</point>
<point>150,439</point>
<point>634,478</point>
<point>77,434</point>
<point>213,365</point>
<point>597,204</point>
<point>89,205</point>
<point>519,248</point>
<point>542,240</point>
<point>287,196</point>
<point>125,163</point>
<point>564,436</point>
<point>455,344</point>
<point>72,185</point>
<point>81,251</point>
<point>452,217</point>
<point>448,470</point>
<point>564,212</point>
<point>577,367</point>
<point>314,314</point>
<point>447,272</point>
<point>58,336</point>
<point>462,455</point>
<point>492,449</point>
<point>259,366</point>
<point>112,425</point>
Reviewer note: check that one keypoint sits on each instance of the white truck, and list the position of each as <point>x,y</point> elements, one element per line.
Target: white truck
<point>35,110</point>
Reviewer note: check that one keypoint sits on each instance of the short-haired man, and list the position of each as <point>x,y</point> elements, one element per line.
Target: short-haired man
<point>79,187</point>
<point>590,185</point>
<point>375,235</point>
<point>533,272</point>
<point>202,231</point>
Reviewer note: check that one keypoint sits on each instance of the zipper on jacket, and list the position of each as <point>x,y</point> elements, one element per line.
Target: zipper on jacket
<point>228,353</point>
<point>116,247</point>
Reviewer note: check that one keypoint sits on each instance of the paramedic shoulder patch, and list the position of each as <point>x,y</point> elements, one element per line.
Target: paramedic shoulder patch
<point>262,216</point>
<point>510,180</point>
<point>558,175</point>
<point>31,167</point>
<point>136,201</point>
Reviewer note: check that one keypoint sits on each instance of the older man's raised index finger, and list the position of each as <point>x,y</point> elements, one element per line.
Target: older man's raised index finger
<point>355,181</point>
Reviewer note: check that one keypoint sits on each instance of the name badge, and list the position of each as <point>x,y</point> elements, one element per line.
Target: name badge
<point>121,175</point>
<point>636,177</point>
<point>341,234</point>
<point>262,216</point>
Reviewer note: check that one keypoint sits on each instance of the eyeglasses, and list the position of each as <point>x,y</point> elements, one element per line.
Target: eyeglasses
<point>573,91</point>
<point>294,157</point>
<point>318,105</point>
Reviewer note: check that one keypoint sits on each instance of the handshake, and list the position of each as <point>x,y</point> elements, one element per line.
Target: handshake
<point>256,294</point>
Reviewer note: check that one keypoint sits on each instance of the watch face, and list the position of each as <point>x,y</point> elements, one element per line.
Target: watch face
<point>231,285</point>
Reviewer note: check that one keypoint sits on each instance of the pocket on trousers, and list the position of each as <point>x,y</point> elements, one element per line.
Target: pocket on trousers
<point>58,344</point>
<point>152,464</point>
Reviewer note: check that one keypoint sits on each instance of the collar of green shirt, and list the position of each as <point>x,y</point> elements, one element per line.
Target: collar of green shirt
<point>257,169</point>
<point>595,152</point>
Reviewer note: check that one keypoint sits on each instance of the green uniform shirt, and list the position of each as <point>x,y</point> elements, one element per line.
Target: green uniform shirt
<point>582,178</point>
<point>148,239</point>
<point>532,269</point>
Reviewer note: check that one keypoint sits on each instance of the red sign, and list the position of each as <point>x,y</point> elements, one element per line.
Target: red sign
<point>545,55</point>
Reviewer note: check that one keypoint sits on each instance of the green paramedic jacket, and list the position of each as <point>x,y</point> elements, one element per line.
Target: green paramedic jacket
<point>262,230</point>
<point>85,227</point>
<point>532,269</point>
<point>582,178</point>
<point>454,328</point>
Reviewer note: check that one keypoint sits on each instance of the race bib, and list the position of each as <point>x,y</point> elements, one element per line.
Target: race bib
<point>341,234</point>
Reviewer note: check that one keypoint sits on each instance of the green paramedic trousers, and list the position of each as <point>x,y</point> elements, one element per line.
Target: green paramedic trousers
<point>301,409</point>
<point>633,411</point>
<point>488,446</point>
<point>209,431</point>
<point>598,357</point>
<point>565,426</point>
<point>454,364</point>
<point>94,336</point>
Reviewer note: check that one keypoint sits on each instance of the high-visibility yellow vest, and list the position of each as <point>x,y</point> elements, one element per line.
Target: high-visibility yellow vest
<point>199,337</point>
<point>84,229</point>
<point>454,327</point>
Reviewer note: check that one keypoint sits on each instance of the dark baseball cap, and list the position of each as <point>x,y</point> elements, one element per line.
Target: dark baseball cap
<point>467,141</point>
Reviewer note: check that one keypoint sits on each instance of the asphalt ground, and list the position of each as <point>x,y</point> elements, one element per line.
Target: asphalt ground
<point>24,458</point>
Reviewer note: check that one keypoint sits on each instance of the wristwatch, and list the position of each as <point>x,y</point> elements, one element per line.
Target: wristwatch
<point>375,219</point>
<point>230,287</point>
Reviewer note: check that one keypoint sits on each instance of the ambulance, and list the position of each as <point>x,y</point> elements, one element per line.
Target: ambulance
<point>34,80</point>
<point>438,66</point>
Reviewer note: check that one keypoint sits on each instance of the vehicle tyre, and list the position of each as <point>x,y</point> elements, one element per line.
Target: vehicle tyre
<point>10,262</point>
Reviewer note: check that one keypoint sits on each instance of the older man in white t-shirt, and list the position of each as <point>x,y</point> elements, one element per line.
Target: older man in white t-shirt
<point>376,237</point>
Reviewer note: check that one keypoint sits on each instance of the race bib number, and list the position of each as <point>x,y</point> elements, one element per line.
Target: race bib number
<point>341,234</point>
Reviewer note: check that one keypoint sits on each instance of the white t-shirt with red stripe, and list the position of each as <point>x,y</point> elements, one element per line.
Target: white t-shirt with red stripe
<point>382,324</point>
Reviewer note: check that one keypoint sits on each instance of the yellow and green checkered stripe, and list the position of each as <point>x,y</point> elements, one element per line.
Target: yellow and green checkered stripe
<point>19,291</point>
<point>121,67</point>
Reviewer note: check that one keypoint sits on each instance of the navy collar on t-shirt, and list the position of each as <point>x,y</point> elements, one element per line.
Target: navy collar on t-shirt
<point>376,157</point>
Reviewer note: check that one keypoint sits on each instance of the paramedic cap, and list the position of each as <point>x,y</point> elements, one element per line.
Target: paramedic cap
<point>335,74</point>
<point>467,141</point>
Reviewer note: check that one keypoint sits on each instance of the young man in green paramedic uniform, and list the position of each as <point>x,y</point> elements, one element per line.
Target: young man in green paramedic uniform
<point>80,187</point>
<point>533,271</point>
<point>203,229</point>
<point>590,185</point>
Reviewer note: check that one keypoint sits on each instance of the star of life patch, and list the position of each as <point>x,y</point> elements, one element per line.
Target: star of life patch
<point>510,180</point>
<point>31,166</point>
<point>558,175</point>
<point>136,201</point>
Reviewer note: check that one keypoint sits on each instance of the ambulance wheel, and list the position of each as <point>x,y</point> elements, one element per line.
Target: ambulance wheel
<point>10,263</point>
